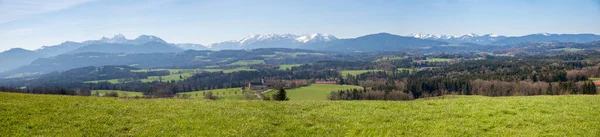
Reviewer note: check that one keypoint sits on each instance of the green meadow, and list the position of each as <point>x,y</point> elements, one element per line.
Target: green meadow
<point>356,72</point>
<point>314,91</point>
<point>391,58</point>
<point>175,74</point>
<point>288,66</point>
<point>248,62</point>
<point>55,115</point>
<point>227,93</point>
<point>439,60</point>
<point>121,93</point>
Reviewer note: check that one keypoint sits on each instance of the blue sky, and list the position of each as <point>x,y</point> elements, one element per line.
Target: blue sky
<point>31,24</point>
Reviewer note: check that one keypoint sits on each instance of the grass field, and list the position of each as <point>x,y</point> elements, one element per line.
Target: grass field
<point>228,93</point>
<point>174,74</point>
<point>568,49</point>
<point>288,66</point>
<point>594,79</point>
<point>356,72</point>
<point>313,92</point>
<point>53,115</point>
<point>121,93</point>
<point>391,58</point>
<point>248,62</point>
<point>439,60</point>
<point>238,69</point>
<point>410,70</point>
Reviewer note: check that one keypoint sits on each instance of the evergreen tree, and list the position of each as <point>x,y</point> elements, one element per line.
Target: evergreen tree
<point>281,95</point>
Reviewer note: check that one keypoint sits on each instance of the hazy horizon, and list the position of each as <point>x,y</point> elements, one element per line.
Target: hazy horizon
<point>33,24</point>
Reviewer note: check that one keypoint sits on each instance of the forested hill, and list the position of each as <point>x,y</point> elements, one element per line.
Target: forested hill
<point>187,59</point>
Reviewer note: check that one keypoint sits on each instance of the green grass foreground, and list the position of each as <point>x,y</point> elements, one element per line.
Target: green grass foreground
<point>52,115</point>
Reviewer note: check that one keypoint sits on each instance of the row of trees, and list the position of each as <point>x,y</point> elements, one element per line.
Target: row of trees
<point>50,90</point>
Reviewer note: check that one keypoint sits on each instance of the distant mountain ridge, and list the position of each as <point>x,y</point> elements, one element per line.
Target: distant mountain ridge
<point>503,40</point>
<point>274,41</point>
<point>317,41</point>
<point>117,44</point>
<point>16,57</point>
<point>380,42</point>
<point>116,39</point>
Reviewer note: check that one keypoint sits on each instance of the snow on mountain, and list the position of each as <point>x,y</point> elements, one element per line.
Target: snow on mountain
<point>192,46</point>
<point>446,37</point>
<point>119,38</point>
<point>424,36</point>
<point>317,37</point>
<point>467,38</point>
<point>273,41</point>
<point>492,35</point>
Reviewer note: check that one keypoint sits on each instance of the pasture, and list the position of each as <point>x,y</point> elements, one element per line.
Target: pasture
<point>356,72</point>
<point>288,66</point>
<point>390,58</point>
<point>313,92</point>
<point>227,93</point>
<point>175,74</point>
<point>121,93</point>
<point>247,62</point>
<point>439,60</point>
<point>55,115</point>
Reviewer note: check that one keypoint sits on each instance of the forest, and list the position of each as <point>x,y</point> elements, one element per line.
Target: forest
<point>394,77</point>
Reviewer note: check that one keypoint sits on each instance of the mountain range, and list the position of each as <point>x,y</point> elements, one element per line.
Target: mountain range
<point>318,41</point>
<point>275,41</point>
<point>494,39</point>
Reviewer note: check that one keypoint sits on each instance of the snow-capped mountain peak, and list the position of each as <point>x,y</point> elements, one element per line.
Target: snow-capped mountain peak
<point>119,38</point>
<point>492,35</point>
<point>317,37</point>
<point>265,37</point>
<point>446,37</point>
<point>145,39</point>
<point>470,35</point>
<point>424,36</point>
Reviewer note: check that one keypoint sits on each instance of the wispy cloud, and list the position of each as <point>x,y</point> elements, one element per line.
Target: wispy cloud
<point>20,31</point>
<point>15,9</point>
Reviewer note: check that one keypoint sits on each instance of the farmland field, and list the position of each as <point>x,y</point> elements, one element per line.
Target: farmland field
<point>356,72</point>
<point>391,58</point>
<point>288,66</point>
<point>248,62</point>
<point>174,74</point>
<point>594,79</point>
<point>410,70</point>
<point>439,60</point>
<point>54,115</point>
<point>313,92</point>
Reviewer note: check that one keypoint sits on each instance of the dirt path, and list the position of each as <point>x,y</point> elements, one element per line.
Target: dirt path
<point>259,97</point>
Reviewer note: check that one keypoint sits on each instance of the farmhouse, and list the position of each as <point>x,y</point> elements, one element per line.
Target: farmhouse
<point>257,86</point>
<point>326,82</point>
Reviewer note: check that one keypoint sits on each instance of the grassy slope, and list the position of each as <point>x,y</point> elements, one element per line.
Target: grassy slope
<point>175,74</point>
<point>356,72</point>
<point>248,62</point>
<point>390,58</point>
<point>121,93</point>
<point>288,66</point>
<point>439,60</point>
<point>228,93</point>
<point>50,115</point>
<point>313,92</point>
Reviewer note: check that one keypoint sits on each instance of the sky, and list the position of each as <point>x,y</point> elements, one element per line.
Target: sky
<point>31,24</point>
